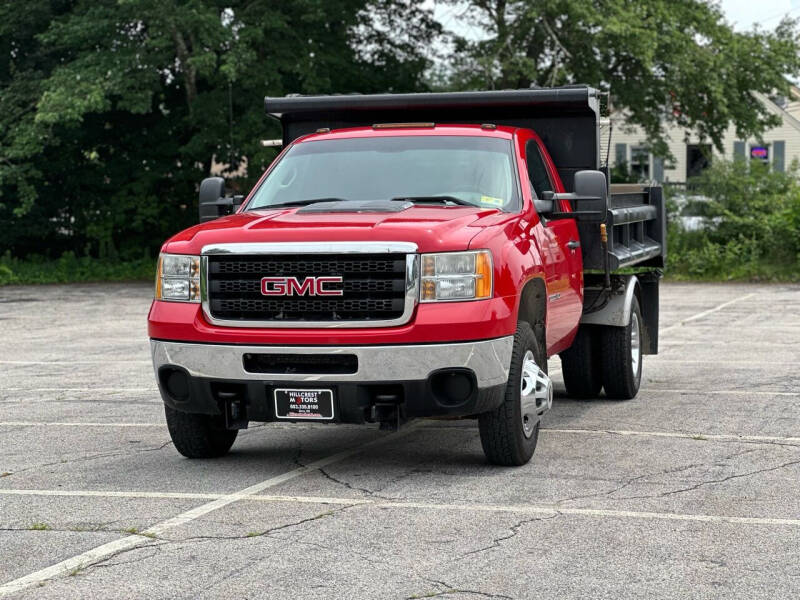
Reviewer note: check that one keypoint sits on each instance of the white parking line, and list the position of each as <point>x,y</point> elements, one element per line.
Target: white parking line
<point>113,494</point>
<point>250,496</point>
<point>105,551</point>
<point>623,432</point>
<point>677,434</point>
<point>741,363</point>
<point>705,313</point>
<point>75,362</point>
<point>81,389</point>
<point>717,392</point>
<point>70,424</point>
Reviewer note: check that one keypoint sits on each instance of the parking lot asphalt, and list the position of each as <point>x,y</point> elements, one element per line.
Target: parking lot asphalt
<point>690,490</point>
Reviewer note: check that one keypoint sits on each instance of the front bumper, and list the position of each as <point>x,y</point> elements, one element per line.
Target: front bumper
<point>411,375</point>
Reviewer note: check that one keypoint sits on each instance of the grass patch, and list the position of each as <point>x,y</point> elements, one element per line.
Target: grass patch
<point>697,256</point>
<point>40,527</point>
<point>72,269</point>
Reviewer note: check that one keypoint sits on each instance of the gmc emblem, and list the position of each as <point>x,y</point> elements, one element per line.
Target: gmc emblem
<point>292,286</point>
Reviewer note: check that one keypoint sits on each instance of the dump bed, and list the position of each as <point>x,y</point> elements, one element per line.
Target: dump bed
<point>567,119</point>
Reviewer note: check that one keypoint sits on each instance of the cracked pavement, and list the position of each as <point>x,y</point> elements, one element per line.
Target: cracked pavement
<point>653,497</point>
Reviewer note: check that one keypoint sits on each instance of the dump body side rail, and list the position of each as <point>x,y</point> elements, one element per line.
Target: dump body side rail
<point>636,223</point>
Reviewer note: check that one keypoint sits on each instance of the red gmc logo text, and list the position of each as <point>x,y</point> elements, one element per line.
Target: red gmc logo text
<point>291,286</point>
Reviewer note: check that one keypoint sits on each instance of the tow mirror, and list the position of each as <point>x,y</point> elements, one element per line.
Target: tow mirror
<point>589,201</point>
<point>213,202</point>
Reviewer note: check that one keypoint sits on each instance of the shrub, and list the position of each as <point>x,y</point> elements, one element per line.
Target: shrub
<point>752,232</point>
<point>69,268</point>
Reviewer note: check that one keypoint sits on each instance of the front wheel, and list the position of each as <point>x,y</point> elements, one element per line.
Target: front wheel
<point>509,433</point>
<point>621,356</point>
<point>199,436</point>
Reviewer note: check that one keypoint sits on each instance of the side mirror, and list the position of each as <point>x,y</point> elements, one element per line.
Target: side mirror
<point>213,202</point>
<point>589,201</point>
<point>591,196</point>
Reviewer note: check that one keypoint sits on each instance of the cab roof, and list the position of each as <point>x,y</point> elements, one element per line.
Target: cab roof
<point>402,129</point>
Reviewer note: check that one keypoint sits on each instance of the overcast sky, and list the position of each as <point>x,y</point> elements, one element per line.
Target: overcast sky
<point>766,13</point>
<point>743,14</point>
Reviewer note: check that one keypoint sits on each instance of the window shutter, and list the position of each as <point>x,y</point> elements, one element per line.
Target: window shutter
<point>621,154</point>
<point>738,150</point>
<point>778,153</point>
<point>658,169</point>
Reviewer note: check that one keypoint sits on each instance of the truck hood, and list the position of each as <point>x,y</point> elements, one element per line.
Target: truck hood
<point>432,228</point>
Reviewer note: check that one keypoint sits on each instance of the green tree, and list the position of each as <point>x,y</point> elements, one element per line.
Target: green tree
<point>663,61</point>
<point>111,111</point>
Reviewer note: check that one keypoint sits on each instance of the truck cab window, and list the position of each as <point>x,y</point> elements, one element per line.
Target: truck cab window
<point>472,170</point>
<point>537,172</point>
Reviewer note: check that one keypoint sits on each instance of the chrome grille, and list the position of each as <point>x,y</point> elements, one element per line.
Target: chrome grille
<point>377,287</point>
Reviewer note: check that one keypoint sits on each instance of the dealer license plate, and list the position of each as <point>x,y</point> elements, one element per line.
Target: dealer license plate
<point>304,404</point>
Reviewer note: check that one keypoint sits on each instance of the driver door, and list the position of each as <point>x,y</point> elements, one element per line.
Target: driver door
<point>560,247</point>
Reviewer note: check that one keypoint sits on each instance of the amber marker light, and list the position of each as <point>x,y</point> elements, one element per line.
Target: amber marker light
<point>159,273</point>
<point>483,273</point>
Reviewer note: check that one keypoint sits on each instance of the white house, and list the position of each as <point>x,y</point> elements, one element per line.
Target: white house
<point>778,146</point>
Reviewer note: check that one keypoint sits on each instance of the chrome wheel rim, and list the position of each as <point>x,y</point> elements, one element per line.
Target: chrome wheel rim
<point>636,351</point>
<point>535,394</point>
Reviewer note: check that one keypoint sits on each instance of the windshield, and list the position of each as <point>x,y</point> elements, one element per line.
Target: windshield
<point>465,169</point>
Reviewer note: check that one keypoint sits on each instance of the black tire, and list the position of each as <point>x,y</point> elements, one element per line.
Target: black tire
<point>199,436</point>
<point>580,365</point>
<point>502,437</point>
<point>620,379</point>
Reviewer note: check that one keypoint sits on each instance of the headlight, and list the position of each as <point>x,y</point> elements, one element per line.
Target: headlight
<point>456,276</point>
<point>178,278</point>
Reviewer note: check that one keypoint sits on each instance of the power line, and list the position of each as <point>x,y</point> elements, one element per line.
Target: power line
<point>784,13</point>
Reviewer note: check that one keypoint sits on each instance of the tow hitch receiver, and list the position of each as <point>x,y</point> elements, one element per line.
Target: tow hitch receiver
<point>388,414</point>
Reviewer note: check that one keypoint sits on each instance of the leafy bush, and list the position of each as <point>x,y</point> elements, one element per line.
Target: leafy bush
<point>752,226</point>
<point>69,268</point>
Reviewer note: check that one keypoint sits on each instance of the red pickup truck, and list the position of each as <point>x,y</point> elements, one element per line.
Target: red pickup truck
<point>411,255</point>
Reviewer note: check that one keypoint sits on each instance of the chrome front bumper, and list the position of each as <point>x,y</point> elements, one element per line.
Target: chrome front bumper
<point>488,359</point>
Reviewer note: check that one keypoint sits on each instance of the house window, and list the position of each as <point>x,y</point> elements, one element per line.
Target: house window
<point>779,156</point>
<point>621,154</point>
<point>640,163</point>
<point>658,169</point>
<point>698,159</point>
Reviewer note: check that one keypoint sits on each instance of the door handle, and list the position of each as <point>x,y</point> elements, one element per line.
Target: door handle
<point>573,244</point>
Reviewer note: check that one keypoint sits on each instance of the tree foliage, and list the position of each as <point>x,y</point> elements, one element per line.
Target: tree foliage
<point>751,225</point>
<point>111,111</point>
<point>663,61</point>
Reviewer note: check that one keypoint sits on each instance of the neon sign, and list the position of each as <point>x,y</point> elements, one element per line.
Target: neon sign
<point>759,152</point>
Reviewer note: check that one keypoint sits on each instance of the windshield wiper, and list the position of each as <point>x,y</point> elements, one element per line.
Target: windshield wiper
<point>434,199</point>
<point>300,203</point>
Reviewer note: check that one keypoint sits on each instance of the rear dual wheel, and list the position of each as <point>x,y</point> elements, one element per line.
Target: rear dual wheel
<point>605,357</point>
<point>621,357</point>
<point>580,364</point>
